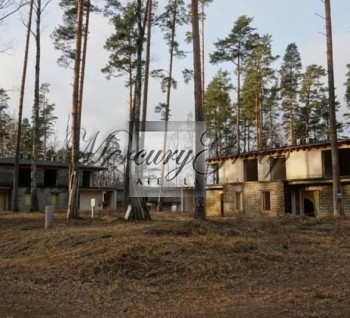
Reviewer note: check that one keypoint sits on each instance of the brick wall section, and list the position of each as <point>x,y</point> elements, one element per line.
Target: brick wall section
<point>346,199</point>
<point>325,207</point>
<point>326,201</point>
<point>44,197</point>
<point>252,197</point>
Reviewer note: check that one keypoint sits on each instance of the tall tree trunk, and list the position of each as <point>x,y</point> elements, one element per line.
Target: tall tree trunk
<point>271,133</point>
<point>203,48</point>
<point>258,123</point>
<point>245,136</point>
<point>85,34</point>
<point>34,204</point>
<point>148,25</point>
<point>238,115</point>
<point>167,104</point>
<point>15,206</point>
<point>44,133</point>
<point>291,129</point>
<point>127,171</point>
<point>72,211</point>
<point>147,68</point>
<point>337,190</point>
<point>139,209</point>
<point>199,212</point>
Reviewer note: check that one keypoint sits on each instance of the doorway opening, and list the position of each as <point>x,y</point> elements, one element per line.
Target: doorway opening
<point>309,208</point>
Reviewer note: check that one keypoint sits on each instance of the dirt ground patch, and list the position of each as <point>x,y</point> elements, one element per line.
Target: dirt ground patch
<point>174,266</point>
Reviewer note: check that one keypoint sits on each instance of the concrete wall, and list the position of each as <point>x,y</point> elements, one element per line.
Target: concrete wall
<point>264,168</point>
<point>107,201</point>
<point>46,195</point>
<point>232,171</point>
<point>85,199</point>
<point>304,164</point>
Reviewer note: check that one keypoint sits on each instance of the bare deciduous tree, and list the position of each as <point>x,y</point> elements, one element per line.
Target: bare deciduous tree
<point>9,7</point>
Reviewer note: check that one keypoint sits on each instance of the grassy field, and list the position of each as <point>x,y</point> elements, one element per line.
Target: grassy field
<point>174,266</point>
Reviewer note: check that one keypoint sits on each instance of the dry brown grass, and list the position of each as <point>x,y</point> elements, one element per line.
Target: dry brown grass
<point>174,266</point>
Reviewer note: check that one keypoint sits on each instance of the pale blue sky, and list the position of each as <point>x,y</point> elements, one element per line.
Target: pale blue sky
<point>105,102</point>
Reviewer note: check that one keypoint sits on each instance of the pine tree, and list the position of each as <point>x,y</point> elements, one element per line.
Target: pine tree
<point>202,16</point>
<point>312,96</point>
<point>64,40</point>
<point>320,120</point>
<point>63,35</point>
<point>122,45</point>
<point>235,48</point>
<point>126,48</point>
<point>34,202</point>
<point>290,73</point>
<point>247,114</point>
<point>272,115</point>
<point>338,208</point>
<point>258,76</point>
<point>72,209</point>
<point>199,212</point>
<point>218,114</point>
<point>27,137</point>
<point>15,204</point>
<point>148,25</point>
<point>175,15</point>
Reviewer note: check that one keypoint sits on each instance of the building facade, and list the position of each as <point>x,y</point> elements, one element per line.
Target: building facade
<point>294,179</point>
<point>52,185</point>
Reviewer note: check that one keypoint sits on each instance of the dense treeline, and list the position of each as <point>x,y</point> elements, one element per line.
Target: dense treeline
<point>275,103</point>
<point>257,99</point>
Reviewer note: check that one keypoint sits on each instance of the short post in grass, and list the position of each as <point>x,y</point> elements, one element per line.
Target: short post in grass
<point>93,205</point>
<point>49,210</point>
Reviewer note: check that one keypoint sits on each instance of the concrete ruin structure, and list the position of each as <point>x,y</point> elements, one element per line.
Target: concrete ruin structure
<point>293,179</point>
<point>52,185</point>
